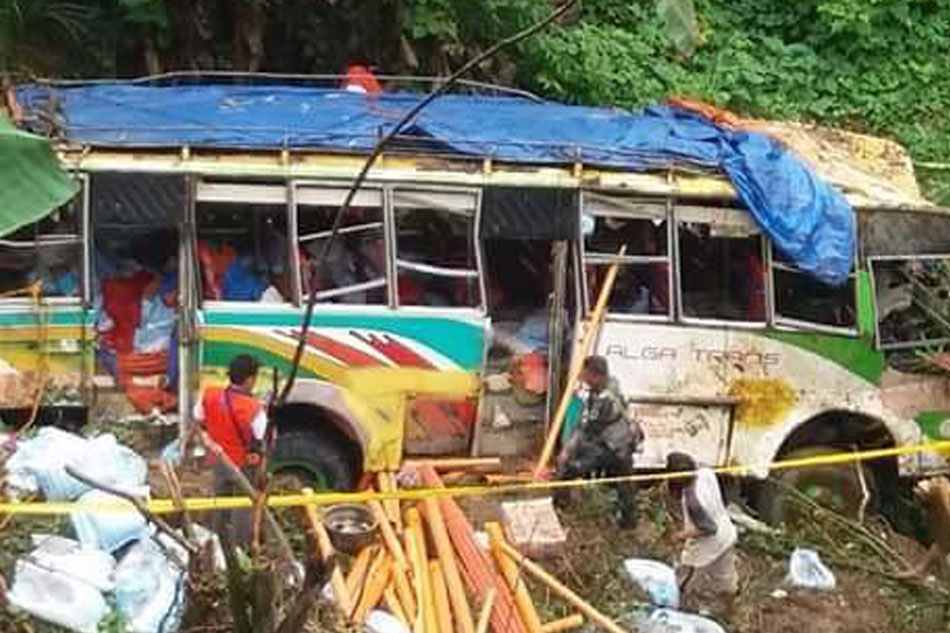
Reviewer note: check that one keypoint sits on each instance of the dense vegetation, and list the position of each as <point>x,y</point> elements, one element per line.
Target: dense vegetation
<point>881,66</point>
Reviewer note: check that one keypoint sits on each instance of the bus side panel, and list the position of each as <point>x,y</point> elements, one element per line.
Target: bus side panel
<point>670,363</point>
<point>774,380</point>
<point>41,359</point>
<point>420,372</point>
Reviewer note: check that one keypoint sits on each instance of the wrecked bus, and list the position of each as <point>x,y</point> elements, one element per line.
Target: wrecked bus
<point>447,307</point>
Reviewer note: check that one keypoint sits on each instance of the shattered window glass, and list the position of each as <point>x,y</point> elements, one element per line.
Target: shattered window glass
<point>354,270</point>
<point>912,300</point>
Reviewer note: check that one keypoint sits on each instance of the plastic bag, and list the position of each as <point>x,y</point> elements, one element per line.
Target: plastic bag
<point>806,570</point>
<point>57,598</point>
<point>72,558</point>
<point>382,622</point>
<point>656,579</point>
<point>669,621</point>
<point>109,530</point>
<point>149,589</point>
<point>39,465</point>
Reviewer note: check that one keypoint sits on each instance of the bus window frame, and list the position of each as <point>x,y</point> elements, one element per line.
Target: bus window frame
<point>475,193</point>
<point>792,324</point>
<point>341,189</point>
<point>207,190</point>
<point>700,214</point>
<point>636,208</point>
<point>84,298</point>
<point>891,347</point>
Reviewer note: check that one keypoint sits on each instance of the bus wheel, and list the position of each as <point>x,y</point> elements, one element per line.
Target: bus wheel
<point>837,487</point>
<point>314,459</point>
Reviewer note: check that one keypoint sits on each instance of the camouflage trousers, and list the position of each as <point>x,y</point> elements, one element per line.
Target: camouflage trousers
<point>594,458</point>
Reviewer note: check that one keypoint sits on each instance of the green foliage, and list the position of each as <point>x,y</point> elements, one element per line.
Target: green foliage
<point>879,66</point>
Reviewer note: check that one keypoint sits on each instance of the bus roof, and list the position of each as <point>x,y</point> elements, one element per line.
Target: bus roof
<point>239,128</point>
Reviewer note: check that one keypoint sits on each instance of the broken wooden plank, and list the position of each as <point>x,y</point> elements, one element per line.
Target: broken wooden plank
<point>562,590</point>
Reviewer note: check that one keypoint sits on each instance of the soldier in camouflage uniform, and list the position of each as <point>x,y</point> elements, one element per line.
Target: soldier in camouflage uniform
<point>604,442</point>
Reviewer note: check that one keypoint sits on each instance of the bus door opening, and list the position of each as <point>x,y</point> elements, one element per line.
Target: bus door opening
<point>135,285</point>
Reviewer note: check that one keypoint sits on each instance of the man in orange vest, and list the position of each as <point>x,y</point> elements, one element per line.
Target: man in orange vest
<point>237,421</point>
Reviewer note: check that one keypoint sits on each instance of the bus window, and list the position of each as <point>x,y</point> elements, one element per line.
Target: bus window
<point>354,269</point>
<point>800,298</point>
<point>722,274</point>
<point>243,253</point>
<point>436,259</point>
<point>48,251</point>
<point>912,300</point>
<point>643,275</point>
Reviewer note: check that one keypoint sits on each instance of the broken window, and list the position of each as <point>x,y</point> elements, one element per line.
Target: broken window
<point>722,271</point>
<point>912,300</point>
<point>49,252</point>
<point>436,249</point>
<point>641,230</point>
<point>354,269</point>
<point>243,254</point>
<point>800,299</point>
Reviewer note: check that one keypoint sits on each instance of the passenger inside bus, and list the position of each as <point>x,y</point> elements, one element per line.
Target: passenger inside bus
<point>722,275</point>
<point>243,253</point>
<point>354,270</point>
<point>642,283</point>
<point>135,297</point>
<point>48,252</point>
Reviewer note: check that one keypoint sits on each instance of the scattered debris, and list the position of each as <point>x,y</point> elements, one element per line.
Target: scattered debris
<point>657,580</point>
<point>806,570</point>
<point>57,598</point>
<point>670,621</point>
<point>533,526</point>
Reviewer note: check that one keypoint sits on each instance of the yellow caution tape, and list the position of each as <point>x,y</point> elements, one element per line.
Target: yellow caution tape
<point>204,504</point>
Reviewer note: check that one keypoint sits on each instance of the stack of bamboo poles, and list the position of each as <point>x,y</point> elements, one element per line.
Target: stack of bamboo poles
<point>429,572</point>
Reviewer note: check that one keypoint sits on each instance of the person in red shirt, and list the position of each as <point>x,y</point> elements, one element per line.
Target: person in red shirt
<point>237,421</point>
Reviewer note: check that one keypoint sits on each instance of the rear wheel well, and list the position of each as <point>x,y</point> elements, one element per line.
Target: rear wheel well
<point>317,420</point>
<point>844,430</point>
<point>831,432</point>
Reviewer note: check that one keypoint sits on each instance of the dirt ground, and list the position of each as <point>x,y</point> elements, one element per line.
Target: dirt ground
<point>591,563</point>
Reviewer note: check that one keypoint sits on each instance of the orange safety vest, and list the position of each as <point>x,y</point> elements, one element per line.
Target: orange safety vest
<point>228,416</point>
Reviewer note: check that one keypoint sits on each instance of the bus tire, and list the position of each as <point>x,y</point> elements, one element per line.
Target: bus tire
<point>317,459</point>
<point>836,486</point>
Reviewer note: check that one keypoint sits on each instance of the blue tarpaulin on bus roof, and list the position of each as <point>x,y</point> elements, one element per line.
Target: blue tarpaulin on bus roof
<point>808,220</point>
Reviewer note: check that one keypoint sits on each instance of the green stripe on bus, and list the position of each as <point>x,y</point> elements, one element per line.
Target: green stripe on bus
<point>44,317</point>
<point>857,355</point>
<point>219,354</point>
<point>867,321</point>
<point>460,340</point>
<point>930,423</point>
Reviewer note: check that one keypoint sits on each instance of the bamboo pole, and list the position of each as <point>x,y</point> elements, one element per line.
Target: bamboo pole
<point>485,614</point>
<point>564,624</point>
<point>578,355</point>
<point>427,606</point>
<point>325,548</point>
<point>377,578</point>
<point>456,463</point>
<point>450,570</point>
<point>509,569</point>
<point>443,611</point>
<point>563,591</point>
<point>357,576</point>
<point>389,535</point>
<point>401,564</point>
<point>418,617</point>
<point>387,483</point>
<point>391,600</point>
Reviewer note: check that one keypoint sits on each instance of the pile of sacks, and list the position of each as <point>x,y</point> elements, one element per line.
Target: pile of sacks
<point>114,554</point>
